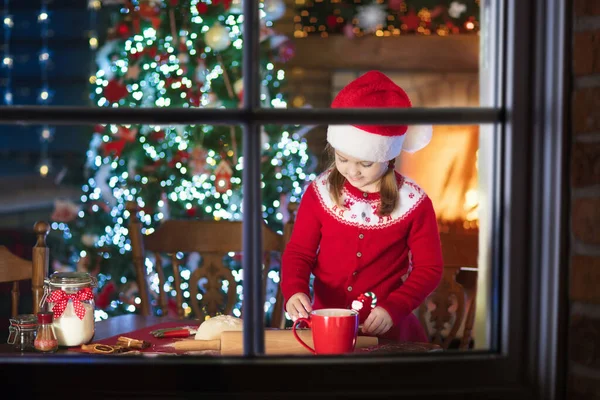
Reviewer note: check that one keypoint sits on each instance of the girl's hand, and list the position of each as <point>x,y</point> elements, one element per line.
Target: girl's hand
<point>378,322</point>
<point>298,306</point>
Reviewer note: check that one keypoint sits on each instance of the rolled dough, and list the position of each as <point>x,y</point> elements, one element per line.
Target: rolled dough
<point>211,328</point>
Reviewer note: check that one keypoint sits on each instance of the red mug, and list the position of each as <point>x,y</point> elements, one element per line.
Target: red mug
<point>334,330</point>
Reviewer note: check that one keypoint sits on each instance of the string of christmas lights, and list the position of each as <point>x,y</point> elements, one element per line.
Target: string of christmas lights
<point>44,97</point>
<point>383,18</point>
<point>7,59</point>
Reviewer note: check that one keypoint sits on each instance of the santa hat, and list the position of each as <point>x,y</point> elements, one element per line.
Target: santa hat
<point>377,143</point>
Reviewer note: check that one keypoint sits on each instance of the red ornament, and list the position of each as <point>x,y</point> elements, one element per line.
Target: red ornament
<point>103,297</point>
<point>174,3</point>
<point>156,21</point>
<point>182,45</point>
<point>127,134</point>
<point>411,20</point>
<point>135,57</point>
<point>99,129</point>
<point>223,175</point>
<point>191,212</point>
<point>151,51</point>
<point>163,58</point>
<point>331,22</point>
<point>395,4</point>
<point>123,30</point>
<point>115,91</point>
<point>171,80</point>
<point>158,136</point>
<point>179,156</point>
<point>202,8</point>
<point>115,147</point>
<point>194,98</point>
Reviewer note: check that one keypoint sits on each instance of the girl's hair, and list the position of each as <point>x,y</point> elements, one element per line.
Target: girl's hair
<point>388,188</point>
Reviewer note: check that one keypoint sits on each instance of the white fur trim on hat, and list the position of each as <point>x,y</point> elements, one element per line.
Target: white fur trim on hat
<point>417,137</point>
<point>377,148</point>
<point>363,145</point>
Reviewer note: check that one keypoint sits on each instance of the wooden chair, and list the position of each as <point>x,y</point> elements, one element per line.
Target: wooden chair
<point>450,306</point>
<point>213,240</point>
<point>15,269</point>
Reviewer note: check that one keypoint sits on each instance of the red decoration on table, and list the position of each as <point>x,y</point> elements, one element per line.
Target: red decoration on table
<point>179,332</point>
<point>60,299</point>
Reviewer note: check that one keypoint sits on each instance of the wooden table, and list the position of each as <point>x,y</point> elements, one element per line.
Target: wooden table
<point>131,322</point>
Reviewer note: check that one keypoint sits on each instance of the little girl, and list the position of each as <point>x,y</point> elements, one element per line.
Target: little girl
<point>362,227</point>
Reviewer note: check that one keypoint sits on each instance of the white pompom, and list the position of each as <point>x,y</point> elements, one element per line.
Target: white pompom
<point>417,137</point>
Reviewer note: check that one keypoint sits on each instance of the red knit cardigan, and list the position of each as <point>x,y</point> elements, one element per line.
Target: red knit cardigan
<point>350,250</point>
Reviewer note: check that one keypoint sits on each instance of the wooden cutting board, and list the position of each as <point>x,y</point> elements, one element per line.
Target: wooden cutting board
<point>277,342</point>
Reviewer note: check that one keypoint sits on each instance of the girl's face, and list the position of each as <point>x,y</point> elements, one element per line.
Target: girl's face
<point>363,175</point>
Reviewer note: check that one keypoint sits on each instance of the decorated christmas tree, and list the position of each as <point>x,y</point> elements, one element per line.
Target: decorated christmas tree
<point>179,54</point>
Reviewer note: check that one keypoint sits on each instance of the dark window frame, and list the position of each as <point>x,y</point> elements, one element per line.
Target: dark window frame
<point>530,243</point>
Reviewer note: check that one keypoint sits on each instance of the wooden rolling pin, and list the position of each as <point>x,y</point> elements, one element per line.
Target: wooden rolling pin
<point>277,342</point>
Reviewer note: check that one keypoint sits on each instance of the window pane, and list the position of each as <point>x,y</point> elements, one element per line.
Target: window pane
<point>189,53</point>
<point>430,50</point>
<point>181,54</point>
<point>345,252</point>
<point>171,174</point>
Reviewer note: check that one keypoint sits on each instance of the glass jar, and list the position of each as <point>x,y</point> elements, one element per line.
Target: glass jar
<point>45,339</point>
<point>21,332</point>
<point>69,296</point>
